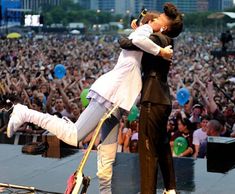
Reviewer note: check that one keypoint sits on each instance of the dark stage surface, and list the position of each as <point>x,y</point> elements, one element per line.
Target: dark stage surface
<point>50,174</point>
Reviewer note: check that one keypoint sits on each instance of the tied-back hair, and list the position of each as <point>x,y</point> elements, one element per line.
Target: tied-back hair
<point>176,18</point>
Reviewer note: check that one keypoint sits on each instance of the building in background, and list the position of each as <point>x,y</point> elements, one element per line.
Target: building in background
<point>134,7</point>
<point>123,7</point>
<point>202,5</point>
<point>106,5</point>
<point>185,6</point>
<point>10,11</point>
<point>148,4</point>
<point>0,13</point>
<point>36,5</point>
<point>219,5</point>
<point>227,4</point>
<point>88,4</point>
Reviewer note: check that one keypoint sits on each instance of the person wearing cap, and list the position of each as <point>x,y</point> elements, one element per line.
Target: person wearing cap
<point>196,115</point>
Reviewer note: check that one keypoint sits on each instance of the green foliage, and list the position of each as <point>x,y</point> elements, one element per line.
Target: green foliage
<point>231,9</point>
<point>68,12</point>
<point>198,20</point>
<point>57,14</point>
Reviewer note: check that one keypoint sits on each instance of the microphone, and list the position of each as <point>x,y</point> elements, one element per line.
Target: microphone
<point>140,17</point>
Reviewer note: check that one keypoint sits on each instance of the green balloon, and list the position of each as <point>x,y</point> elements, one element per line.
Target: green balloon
<point>134,113</point>
<point>180,145</point>
<point>83,96</point>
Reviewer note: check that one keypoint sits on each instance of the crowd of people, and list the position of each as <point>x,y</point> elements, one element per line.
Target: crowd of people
<point>27,71</point>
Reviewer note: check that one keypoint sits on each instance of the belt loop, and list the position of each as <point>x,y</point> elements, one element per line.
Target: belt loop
<point>149,107</point>
<point>153,73</point>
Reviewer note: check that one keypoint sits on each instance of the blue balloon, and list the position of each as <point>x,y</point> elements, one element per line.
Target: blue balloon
<point>59,71</point>
<point>182,96</point>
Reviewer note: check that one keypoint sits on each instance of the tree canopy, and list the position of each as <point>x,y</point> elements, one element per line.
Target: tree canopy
<point>68,12</point>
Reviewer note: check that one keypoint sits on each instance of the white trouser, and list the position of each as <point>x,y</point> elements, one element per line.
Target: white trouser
<point>105,158</point>
<point>64,129</point>
<point>71,133</point>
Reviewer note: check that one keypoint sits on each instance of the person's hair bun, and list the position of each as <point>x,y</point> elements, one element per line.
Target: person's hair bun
<point>170,10</point>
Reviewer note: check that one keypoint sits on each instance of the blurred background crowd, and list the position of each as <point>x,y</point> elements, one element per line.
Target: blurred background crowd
<point>27,73</point>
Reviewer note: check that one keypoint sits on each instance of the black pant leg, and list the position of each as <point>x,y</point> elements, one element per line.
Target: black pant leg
<point>154,147</point>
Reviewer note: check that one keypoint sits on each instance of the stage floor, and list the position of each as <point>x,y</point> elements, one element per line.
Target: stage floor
<point>50,174</point>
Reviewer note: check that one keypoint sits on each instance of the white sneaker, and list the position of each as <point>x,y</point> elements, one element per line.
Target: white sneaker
<point>172,191</point>
<point>16,119</point>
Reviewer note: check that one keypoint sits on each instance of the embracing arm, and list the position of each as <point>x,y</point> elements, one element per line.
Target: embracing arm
<point>141,32</point>
<point>140,38</point>
<point>126,43</point>
<point>154,45</point>
<point>146,44</point>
